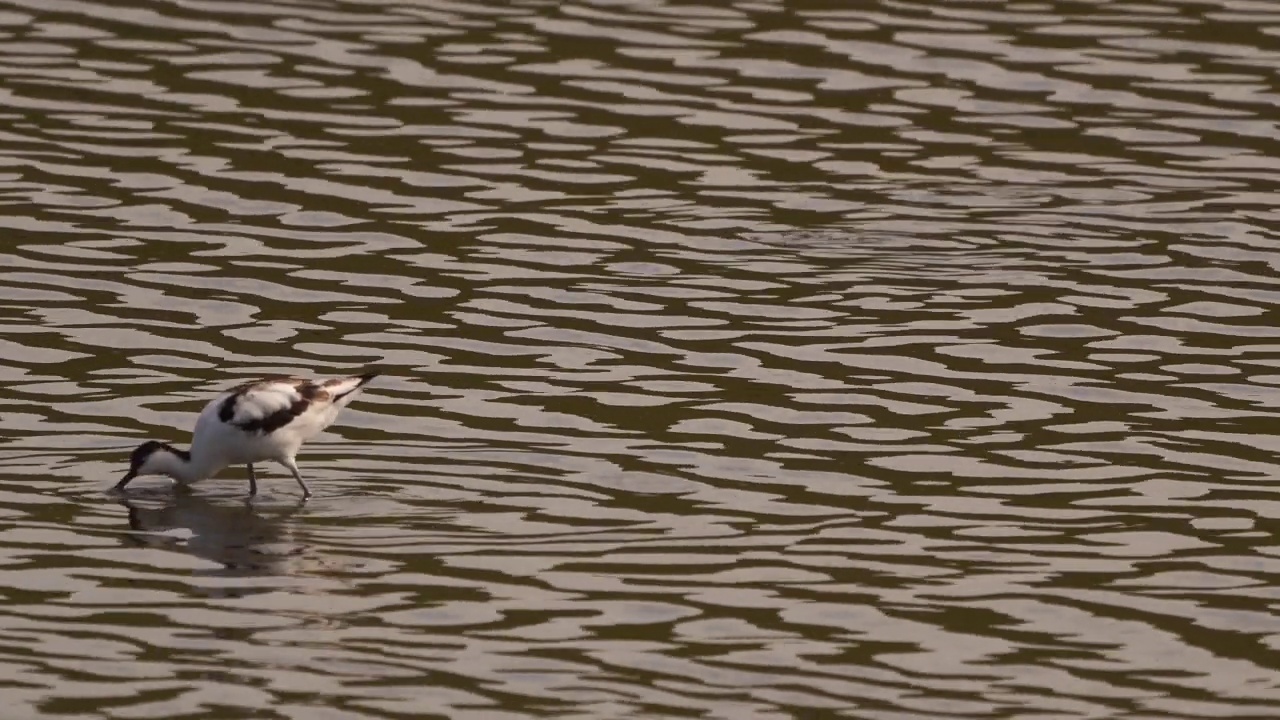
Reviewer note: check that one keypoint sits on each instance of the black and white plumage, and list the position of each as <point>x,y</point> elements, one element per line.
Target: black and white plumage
<point>255,422</point>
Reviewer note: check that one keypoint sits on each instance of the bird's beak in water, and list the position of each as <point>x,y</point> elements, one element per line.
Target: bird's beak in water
<point>125,481</point>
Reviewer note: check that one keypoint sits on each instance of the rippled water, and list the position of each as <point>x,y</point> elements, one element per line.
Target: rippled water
<point>744,360</point>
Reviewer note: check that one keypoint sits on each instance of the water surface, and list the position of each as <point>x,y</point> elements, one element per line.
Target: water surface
<point>751,361</point>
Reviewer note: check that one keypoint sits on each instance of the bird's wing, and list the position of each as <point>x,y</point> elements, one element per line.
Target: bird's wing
<point>268,405</point>
<point>343,390</point>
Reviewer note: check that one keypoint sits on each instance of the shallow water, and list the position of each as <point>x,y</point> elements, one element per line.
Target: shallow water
<point>753,360</point>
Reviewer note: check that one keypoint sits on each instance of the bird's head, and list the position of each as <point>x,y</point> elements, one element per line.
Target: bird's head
<point>153,458</point>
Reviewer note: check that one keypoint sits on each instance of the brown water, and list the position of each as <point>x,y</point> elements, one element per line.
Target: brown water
<point>747,360</point>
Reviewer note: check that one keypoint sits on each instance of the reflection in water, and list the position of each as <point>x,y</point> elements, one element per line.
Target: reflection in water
<point>238,536</point>
<point>751,359</point>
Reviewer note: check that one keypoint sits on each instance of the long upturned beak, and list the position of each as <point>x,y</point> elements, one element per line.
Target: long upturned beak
<point>125,481</point>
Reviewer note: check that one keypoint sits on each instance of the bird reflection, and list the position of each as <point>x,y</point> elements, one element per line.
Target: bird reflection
<point>241,538</point>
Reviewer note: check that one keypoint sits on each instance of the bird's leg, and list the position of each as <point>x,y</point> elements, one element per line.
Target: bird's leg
<point>253,481</point>
<point>293,468</point>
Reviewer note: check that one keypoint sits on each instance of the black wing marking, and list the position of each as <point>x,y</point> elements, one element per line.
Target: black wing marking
<point>267,406</point>
<point>347,387</point>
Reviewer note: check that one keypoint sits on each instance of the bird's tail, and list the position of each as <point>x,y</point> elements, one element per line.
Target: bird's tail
<point>344,390</point>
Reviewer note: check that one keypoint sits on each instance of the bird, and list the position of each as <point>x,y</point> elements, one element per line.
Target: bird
<point>254,422</point>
